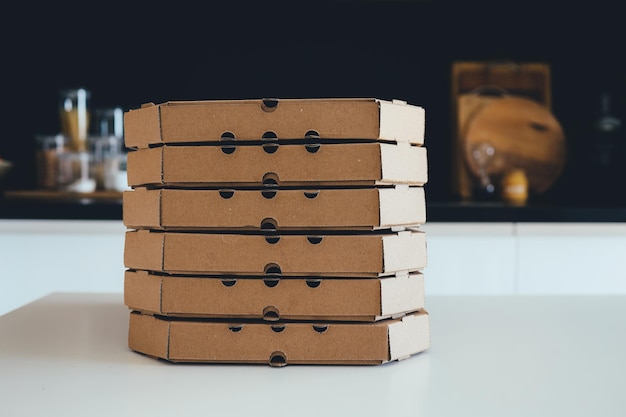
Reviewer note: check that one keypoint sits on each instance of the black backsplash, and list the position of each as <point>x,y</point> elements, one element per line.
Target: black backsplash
<point>384,49</point>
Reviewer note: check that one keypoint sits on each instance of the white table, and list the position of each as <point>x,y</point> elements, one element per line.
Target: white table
<point>66,355</point>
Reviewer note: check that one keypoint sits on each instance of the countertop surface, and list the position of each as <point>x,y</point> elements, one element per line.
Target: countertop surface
<point>66,354</point>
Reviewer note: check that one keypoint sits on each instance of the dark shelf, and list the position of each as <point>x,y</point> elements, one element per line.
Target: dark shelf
<point>501,212</point>
<point>79,207</point>
<point>85,208</point>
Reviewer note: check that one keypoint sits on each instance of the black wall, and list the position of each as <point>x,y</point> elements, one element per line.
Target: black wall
<point>127,55</point>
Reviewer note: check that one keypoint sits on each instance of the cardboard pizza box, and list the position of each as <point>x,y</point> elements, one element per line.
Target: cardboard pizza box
<point>337,209</point>
<point>290,165</point>
<point>274,119</point>
<point>367,254</point>
<point>274,299</point>
<point>279,343</point>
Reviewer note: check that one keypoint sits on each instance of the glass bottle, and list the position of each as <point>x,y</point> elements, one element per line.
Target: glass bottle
<point>607,132</point>
<point>74,113</point>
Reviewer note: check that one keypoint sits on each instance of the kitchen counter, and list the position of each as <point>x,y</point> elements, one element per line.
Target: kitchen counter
<point>108,206</point>
<point>66,354</point>
<point>49,205</point>
<point>532,212</point>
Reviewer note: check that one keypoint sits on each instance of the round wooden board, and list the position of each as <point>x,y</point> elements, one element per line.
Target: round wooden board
<point>524,134</point>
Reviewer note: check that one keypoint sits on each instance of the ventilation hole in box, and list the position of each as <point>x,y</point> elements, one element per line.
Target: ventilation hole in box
<point>228,149</point>
<point>235,327</point>
<point>270,147</point>
<point>272,269</point>
<point>226,136</point>
<point>320,328</point>
<point>272,240</point>
<point>268,193</point>
<point>270,180</point>
<point>313,283</point>
<point>228,282</point>
<point>270,282</point>
<point>270,183</point>
<point>269,136</point>
<point>314,240</point>
<point>270,313</point>
<point>278,359</point>
<point>311,194</point>
<point>226,194</point>
<point>312,134</point>
<point>269,225</point>
<point>312,147</point>
<point>277,328</point>
<point>269,104</point>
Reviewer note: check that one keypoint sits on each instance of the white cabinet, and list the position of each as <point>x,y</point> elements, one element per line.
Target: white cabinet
<point>470,258</point>
<point>42,256</point>
<point>526,258</point>
<point>574,258</point>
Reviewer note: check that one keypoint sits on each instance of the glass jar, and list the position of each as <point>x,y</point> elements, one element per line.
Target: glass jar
<point>74,173</point>
<point>48,149</point>
<point>109,162</point>
<point>74,114</point>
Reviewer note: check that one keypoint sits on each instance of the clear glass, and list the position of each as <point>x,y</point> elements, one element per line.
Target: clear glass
<point>108,122</point>
<point>49,147</point>
<point>75,172</point>
<point>74,113</point>
<point>108,158</point>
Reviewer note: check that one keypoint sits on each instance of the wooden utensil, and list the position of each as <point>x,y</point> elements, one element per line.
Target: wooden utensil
<point>524,134</point>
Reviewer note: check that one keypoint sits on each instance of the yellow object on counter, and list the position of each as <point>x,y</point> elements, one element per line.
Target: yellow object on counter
<point>515,187</point>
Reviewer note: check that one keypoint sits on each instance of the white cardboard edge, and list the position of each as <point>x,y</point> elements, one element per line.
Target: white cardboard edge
<point>402,122</point>
<point>402,293</point>
<point>409,336</point>
<point>403,164</point>
<point>404,251</point>
<point>401,205</point>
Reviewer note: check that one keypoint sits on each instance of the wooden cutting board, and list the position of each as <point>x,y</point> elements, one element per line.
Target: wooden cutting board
<point>523,133</point>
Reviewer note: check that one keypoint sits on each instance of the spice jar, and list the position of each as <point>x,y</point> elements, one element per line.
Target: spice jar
<point>49,147</point>
<point>75,172</point>
<point>107,156</point>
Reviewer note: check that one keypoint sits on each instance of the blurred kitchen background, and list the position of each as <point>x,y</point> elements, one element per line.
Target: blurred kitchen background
<point>450,57</point>
<point>127,55</point>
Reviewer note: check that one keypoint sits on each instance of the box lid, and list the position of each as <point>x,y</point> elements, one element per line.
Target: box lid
<point>245,209</point>
<point>285,165</point>
<point>274,299</point>
<point>281,343</point>
<point>367,254</point>
<point>274,119</point>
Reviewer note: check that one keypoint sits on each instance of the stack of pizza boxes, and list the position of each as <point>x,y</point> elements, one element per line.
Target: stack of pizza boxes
<point>276,231</point>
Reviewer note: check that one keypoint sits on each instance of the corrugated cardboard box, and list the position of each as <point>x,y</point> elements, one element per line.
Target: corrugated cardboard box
<point>276,231</point>
<point>279,343</point>
<point>326,164</point>
<point>367,254</point>
<point>350,299</point>
<point>273,119</point>
<point>353,209</point>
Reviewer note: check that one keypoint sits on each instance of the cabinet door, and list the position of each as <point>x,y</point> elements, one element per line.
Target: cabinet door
<point>572,258</point>
<point>43,256</point>
<point>470,258</point>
